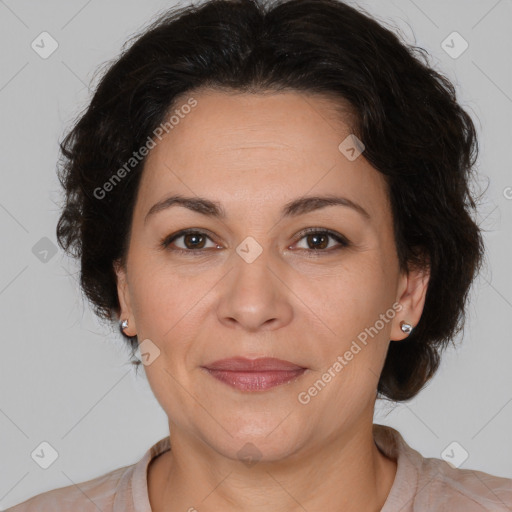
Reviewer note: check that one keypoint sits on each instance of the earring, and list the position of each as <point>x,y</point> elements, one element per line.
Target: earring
<point>124,324</point>
<point>407,328</point>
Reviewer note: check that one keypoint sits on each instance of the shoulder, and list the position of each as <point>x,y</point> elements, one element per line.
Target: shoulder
<point>456,487</point>
<point>121,490</point>
<point>427,483</point>
<point>92,495</point>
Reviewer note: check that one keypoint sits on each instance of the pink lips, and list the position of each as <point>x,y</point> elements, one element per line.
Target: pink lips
<point>254,374</point>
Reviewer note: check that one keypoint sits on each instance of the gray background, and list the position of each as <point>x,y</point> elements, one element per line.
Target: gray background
<point>66,380</point>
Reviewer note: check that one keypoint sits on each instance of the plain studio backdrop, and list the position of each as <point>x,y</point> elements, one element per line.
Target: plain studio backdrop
<point>67,381</point>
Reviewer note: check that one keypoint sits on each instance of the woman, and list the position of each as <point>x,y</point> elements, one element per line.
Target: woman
<point>273,201</point>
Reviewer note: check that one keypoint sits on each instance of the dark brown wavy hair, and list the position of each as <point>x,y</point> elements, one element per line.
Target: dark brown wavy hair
<point>406,114</point>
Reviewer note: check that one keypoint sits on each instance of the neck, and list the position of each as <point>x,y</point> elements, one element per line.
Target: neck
<point>347,471</point>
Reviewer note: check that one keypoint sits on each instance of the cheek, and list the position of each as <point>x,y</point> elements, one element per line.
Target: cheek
<point>350,304</point>
<point>352,296</point>
<point>155,302</point>
<point>159,294</point>
<point>164,306</point>
<point>169,307</point>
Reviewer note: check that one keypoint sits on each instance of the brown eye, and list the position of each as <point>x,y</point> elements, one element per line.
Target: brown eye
<point>318,240</point>
<point>192,241</point>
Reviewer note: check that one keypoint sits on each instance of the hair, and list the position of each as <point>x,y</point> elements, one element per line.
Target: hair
<point>407,115</point>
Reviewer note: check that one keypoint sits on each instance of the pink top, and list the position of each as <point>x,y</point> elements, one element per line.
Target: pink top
<point>421,485</point>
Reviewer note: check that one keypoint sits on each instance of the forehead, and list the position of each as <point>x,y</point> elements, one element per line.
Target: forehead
<point>258,149</point>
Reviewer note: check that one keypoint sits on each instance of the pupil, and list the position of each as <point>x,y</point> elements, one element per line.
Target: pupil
<point>193,237</point>
<point>316,237</point>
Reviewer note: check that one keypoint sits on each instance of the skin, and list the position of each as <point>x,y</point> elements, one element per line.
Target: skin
<point>253,153</point>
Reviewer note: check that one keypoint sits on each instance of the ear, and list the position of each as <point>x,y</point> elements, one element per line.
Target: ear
<point>123,294</point>
<point>412,291</point>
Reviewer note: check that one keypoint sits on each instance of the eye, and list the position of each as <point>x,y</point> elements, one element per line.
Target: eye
<point>319,240</point>
<point>193,240</point>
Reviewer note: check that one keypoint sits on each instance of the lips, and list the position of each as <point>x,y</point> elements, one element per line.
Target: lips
<point>262,364</point>
<point>254,374</point>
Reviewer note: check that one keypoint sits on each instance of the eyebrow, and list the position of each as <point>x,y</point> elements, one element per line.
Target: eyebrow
<point>293,208</point>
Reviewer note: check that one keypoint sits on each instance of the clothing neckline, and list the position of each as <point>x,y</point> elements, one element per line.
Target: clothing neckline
<point>139,482</point>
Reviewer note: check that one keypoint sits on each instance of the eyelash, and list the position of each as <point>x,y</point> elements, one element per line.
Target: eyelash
<point>344,242</point>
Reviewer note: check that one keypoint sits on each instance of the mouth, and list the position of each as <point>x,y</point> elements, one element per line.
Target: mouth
<point>254,374</point>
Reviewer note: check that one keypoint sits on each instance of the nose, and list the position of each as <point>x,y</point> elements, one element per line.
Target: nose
<point>255,296</point>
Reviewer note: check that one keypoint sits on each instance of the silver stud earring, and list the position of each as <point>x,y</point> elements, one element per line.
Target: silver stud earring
<point>124,324</point>
<point>407,328</point>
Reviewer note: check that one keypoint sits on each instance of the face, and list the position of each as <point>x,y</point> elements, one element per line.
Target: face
<point>253,282</point>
